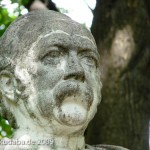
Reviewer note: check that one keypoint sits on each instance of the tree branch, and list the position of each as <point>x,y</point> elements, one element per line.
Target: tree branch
<point>88,6</point>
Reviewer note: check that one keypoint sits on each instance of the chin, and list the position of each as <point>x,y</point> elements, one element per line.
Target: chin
<point>71,113</point>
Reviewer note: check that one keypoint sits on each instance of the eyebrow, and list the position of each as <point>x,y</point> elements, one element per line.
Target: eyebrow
<point>84,43</point>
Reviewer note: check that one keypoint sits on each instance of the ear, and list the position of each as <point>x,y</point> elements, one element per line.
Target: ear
<point>8,86</point>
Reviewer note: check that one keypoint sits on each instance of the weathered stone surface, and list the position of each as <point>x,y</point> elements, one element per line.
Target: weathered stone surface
<point>49,80</point>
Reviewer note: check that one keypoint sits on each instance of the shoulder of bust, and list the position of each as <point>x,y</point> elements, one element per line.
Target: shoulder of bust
<point>105,147</point>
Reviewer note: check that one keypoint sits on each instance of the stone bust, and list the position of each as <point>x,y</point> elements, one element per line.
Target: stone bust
<point>49,81</point>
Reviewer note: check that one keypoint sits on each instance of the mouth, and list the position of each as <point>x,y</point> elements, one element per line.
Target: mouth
<point>80,92</point>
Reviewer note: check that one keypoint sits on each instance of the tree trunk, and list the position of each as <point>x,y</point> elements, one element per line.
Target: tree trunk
<point>122,32</point>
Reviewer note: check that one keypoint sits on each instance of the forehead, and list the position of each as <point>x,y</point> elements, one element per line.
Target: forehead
<point>36,28</point>
<point>62,39</point>
<point>70,27</point>
<point>66,39</point>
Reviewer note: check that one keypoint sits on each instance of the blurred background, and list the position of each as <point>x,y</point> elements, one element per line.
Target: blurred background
<point>121,29</point>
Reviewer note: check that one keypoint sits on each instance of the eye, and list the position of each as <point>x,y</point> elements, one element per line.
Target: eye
<point>89,60</point>
<point>54,54</point>
<point>52,58</point>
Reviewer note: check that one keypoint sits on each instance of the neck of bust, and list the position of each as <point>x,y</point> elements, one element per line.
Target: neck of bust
<point>55,135</point>
<point>49,142</point>
<point>60,140</point>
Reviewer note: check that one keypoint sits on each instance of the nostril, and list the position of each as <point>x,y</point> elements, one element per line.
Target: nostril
<point>70,77</point>
<point>79,77</point>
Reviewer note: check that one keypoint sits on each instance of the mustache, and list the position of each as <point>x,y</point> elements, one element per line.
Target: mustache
<point>73,88</point>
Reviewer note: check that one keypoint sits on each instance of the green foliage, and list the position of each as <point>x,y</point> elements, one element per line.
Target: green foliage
<point>20,2</point>
<point>5,129</point>
<point>5,18</point>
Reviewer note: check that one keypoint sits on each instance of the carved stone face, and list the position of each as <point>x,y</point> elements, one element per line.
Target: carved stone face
<point>61,77</point>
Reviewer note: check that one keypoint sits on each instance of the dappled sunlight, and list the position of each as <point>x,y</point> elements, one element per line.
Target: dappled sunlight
<point>12,7</point>
<point>9,12</point>
<point>123,47</point>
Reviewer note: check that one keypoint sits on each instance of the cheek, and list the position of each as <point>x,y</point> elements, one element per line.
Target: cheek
<point>45,103</point>
<point>91,76</point>
<point>47,77</point>
<point>93,79</point>
<point>45,80</point>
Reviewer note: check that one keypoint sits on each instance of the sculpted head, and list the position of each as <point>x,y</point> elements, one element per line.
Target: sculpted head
<point>49,72</point>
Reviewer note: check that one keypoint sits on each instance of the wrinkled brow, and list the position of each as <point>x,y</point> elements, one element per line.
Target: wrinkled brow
<point>65,41</point>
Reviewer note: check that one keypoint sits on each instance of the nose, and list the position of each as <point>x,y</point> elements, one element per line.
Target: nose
<point>74,70</point>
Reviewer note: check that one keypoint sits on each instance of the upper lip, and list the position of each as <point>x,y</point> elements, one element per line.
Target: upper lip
<point>70,88</point>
